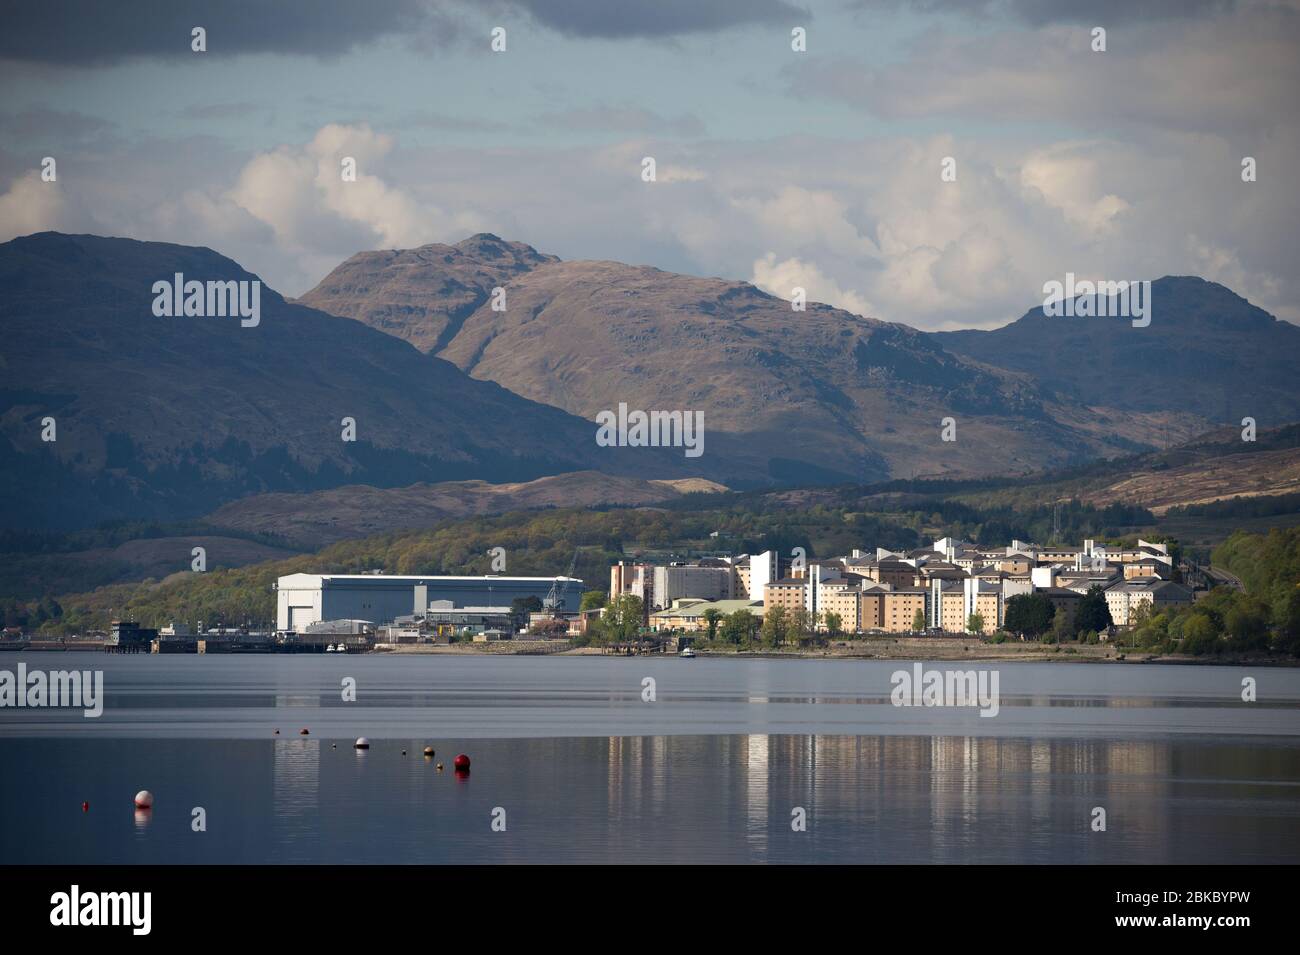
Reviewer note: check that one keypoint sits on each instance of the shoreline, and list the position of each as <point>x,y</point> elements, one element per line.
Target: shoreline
<point>886,649</point>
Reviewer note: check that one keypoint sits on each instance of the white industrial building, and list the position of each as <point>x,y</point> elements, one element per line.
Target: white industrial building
<point>690,580</point>
<point>305,599</point>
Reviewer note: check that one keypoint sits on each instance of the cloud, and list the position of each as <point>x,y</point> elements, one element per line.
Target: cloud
<point>866,224</point>
<point>610,19</point>
<point>781,278</point>
<point>1069,180</point>
<point>94,33</point>
<point>300,194</point>
<point>31,205</point>
<point>65,126</point>
<point>1230,75</point>
<point>1041,12</point>
<point>625,119</point>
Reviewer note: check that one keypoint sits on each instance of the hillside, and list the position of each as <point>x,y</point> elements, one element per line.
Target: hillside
<point>791,397</point>
<point>173,417</point>
<point>1207,352</point>
<point>310,521</point>
<point>1217,466</point>
<point>422,295</point>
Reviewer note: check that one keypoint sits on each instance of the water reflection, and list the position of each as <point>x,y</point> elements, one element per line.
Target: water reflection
<point>669,799</point>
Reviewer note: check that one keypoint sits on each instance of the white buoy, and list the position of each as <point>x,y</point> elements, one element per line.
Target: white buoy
<point>361,743</point>
<point>144,799</point>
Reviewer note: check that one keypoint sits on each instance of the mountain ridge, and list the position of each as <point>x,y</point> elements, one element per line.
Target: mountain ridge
<point>852,397</point>
<point>172,417</point>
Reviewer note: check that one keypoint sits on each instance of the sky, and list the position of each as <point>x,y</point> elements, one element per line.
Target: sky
<point>819,168</point>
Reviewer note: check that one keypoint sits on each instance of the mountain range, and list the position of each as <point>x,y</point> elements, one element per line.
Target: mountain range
<point>1207,351</point>
<point>165,418</point>
<point>448,380</point>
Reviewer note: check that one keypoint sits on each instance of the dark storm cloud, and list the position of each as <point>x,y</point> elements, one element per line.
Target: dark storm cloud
<point>656,18</point>
<point>99,32</point>
<point>1044,12</point>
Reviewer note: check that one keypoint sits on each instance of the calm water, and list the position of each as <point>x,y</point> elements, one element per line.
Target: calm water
<point>710,771</point>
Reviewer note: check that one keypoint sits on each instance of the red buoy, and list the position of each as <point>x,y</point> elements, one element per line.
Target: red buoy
<point>85,807</point>
<point>144,799</point>
<point>461,762</point>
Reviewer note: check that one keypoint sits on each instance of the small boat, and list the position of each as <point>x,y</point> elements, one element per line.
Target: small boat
<point>688,654</point>
<point>330,649</point>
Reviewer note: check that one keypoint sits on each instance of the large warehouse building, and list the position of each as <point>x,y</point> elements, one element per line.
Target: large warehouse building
<point>304,599</point>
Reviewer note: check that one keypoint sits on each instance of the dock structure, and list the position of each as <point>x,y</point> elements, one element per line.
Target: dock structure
<point>636,648</point>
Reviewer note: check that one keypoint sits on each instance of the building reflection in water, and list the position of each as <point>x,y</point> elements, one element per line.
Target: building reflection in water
<point>295,779</point>
<point>756,795</point>
<point>898,798</point>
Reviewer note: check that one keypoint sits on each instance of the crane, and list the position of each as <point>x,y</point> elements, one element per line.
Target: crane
<point>555,599</point>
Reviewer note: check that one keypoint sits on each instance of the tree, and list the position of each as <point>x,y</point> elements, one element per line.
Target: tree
<point>1061,630</point>
<point>975,623</point>
<point>711,617</point>
<point>1288,624</point>
<point>1029,614</point>
<point>1200,634</point>
<point>774,626</point>
<point>1093,612</point>
<point>833,623</point>
<point>621,621</point>
<point>918,620</point>
<point>592,600</point>
<point>799,625</point>
<point>739,627</point>
<point>1247,624</point>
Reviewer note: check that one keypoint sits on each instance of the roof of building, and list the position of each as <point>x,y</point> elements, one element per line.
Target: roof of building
<point>943,573</point>
<point>723,606</point>
<point>1165,588</point>
<point>424,578</point>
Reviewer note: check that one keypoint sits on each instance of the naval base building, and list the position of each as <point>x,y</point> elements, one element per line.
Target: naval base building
<point>306,599</point>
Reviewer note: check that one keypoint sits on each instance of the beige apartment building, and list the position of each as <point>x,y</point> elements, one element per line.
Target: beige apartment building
<point>871,608</point>
<point>1146,567</point>
<point>988,604</point>
<point>1065,600</point>
<point>900,607</point>
<point>952,608</point>
<point>845,601</point>
<point>788,592</point>
<point>742,575</point>
<point>1126,598</point>
<point>895,573</point>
